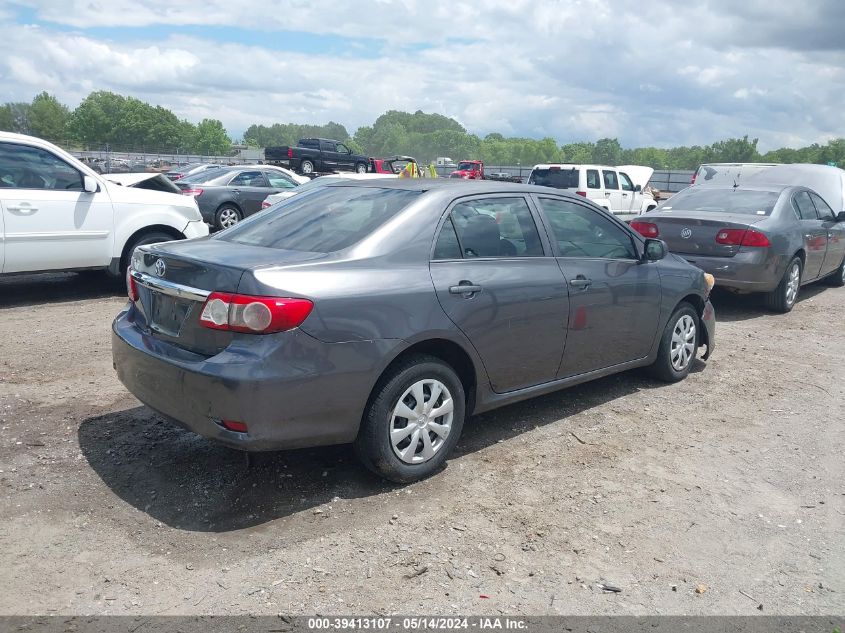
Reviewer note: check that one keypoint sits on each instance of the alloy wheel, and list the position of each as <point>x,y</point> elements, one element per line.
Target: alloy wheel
<point>683,342</point>
<point>793,283</point>
<point>421,421</point>
<point>228,217</point>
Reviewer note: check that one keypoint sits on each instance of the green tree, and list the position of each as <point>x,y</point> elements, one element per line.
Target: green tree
<point>211,139</point>
<point>14,117</point>
<point>607,151</point>
<point>48,118</point>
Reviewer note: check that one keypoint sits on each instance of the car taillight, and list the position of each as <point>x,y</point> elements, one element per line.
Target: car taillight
<point>694,174</point>
<point>646,229</point>
<point>581,193</point>
<point>290,152</point>
<point>265,204</point>
<point>131,286</point>
<point>232,425</point>
<point>192,192</point>
<point>177,176</point>
<point>742,237</point>
<point>254,315</point>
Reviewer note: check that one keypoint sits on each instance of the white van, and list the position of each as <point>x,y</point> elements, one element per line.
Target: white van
<point>608,187</point>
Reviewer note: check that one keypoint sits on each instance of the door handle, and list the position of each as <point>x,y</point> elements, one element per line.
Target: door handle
<point>607,194</point>
<point>464,288</point>
<point>23,209</point>
<point>580,282</point>
<point>624,195</point>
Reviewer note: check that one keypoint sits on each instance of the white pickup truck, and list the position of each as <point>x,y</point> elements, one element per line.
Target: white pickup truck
<point>57,214</point>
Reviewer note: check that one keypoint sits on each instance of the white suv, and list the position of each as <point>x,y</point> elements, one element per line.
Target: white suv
<point>608,187</point>
<point>58,214</point>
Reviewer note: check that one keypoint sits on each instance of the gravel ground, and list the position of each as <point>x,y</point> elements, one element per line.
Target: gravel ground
<point>722,494</point>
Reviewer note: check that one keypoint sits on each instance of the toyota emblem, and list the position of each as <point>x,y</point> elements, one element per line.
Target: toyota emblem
<point>685,233</point>
<point>160,267</point>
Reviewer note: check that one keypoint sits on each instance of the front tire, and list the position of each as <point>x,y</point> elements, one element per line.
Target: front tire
<point>151,237</point>
<point>227,216</point>
<point>782,299</point>
<point>413,420</point>
<point>678,345</point>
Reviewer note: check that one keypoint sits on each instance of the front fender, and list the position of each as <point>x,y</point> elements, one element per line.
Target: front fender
<point>133,217</point>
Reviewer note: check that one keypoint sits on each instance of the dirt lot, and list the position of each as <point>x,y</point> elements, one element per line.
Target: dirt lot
<point>730,482</point>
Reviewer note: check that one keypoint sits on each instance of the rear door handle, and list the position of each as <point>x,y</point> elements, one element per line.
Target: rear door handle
<point>464,288</point>
<point>580,282</point>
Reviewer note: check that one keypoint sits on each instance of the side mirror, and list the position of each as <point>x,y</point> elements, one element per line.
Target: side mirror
<point>89,185</point>
<point>840,217</point>
<point>654,250</point>
<point>638,188</point>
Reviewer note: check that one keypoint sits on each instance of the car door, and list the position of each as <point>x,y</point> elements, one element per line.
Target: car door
<point>835,233</point>
<point>631,200</point>
<point>328,155</point>
<point>610,180</point>
<point>813,233</point>
<point>49,221</point>
<point>498,283</point>
<point>614,297</point>
<point>344,157</point>
<point>249,189</point>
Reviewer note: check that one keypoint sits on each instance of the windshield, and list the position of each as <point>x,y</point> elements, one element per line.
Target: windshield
<point>468,166</point>
<point>326,220</point>
<point>741,201</point>
<point>555,177</point>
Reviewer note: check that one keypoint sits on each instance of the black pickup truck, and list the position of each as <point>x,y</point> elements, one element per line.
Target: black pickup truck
<point>316,155</point>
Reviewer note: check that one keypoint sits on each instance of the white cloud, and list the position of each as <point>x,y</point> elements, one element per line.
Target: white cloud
<point>573,70</point>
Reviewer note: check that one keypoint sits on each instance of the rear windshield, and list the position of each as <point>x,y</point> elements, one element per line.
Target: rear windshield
<point>723,201</point>
<point>557,178</point>
<point>206,176</point>
<point>324,220</point>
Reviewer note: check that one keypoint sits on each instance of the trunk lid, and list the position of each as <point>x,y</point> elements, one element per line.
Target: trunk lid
<point>175,278</point>
<point>694,233</point>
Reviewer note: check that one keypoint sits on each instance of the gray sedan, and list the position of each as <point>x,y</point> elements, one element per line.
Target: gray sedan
<point>385,312</point>
<point>766,238</point>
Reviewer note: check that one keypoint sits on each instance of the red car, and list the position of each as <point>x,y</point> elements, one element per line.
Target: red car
<point>392,165</point>
<point>469,170</point>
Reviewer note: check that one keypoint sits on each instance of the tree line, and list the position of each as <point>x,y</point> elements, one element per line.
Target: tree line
<point>126,123</point>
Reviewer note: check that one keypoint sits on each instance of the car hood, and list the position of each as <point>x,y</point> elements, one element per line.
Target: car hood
<point>825,180</point>
<point>130,179</point>
<point>120,194</point>
<point>639,174</point>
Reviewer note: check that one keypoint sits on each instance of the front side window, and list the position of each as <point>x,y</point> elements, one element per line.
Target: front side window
<point>804,206</point>
<point>825,212</point>
<point>496,227</point>
<point>582,232</point>
<point>341,148</point>
<point>279,180</point>
<point>24,167</point>
<point>610,180</point>
<point>323,220</point>
<point>627,185</point>
<point>593,181</point>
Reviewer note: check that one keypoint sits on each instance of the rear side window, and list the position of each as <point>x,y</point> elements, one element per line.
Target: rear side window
<point>323,220</point>
<point>447,246</point>
<point>557,177</point>
<point>24,167</point>
<point>825,212</point>
<point>593,181</point>
<point>496,227</point>
<point>313,144</point>
<point>582,232</point>
<point>610,180</point>
<point>804,206</point>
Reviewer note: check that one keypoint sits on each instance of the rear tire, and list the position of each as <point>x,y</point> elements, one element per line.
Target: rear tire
<point>361,168</point>
<point>228,215</point>
<point>403,449</point>
<point>782,299</point>
<point>678,345</point>
<point>837,277</point>
<point>306,167</point>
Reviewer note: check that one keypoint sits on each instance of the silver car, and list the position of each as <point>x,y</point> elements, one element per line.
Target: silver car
<point>765,238</point>
<point>384,312</point>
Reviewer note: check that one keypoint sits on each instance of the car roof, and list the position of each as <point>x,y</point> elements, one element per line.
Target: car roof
<point>572,166</point>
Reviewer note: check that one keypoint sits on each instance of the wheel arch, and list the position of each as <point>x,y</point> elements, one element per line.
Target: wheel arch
<point>117,263</point>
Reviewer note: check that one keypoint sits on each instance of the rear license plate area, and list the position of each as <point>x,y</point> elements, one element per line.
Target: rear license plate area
<point>168,313</point>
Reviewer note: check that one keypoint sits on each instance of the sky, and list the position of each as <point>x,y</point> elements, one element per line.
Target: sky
<point>643,71</point>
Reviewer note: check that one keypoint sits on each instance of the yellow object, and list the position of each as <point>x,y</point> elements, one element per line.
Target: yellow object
<point>710,280</point>
<point>409,171</point>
